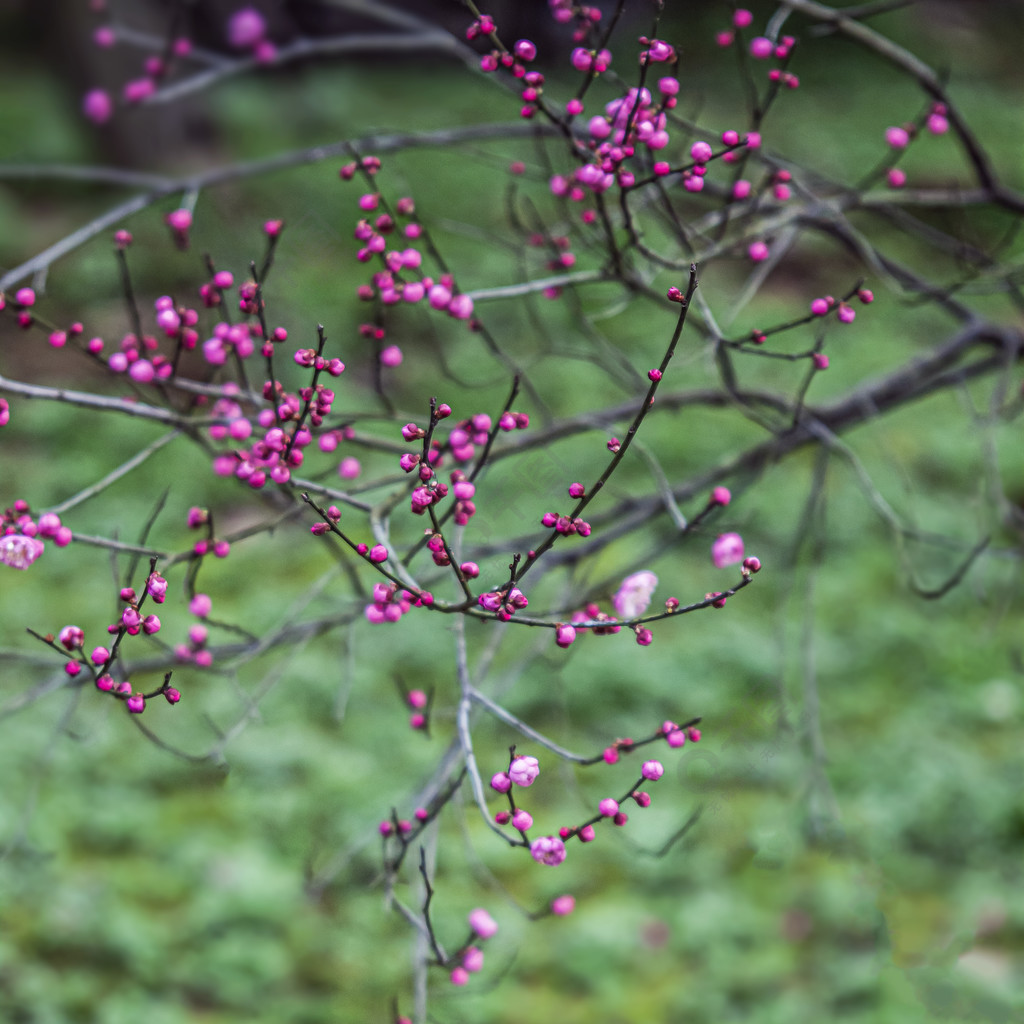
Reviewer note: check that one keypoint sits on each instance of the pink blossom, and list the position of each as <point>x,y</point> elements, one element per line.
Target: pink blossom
<point>246,28</point>
<point>349,468</point>
<point>564,634</point>
<point>562,905</point>
<point>473,959</point>
<point>652,770</point>
<point>522,820</point>
<point>524,770</point>
<point>97,106</point>
<point>727,550</point>
<point>391,356</point>
<point>19,551</point>
<point>548,850</point>
<point>757,251</point>
<point>898,138</point>
<point>482,923</point>
<point>634,594</point>
<point>71,637</point>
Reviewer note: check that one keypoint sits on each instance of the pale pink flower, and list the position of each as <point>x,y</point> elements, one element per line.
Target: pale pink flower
<point>634,594</point>
<point>19,551</point>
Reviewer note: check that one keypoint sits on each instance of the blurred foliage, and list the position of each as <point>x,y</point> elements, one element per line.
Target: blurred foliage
<point>881,883</point>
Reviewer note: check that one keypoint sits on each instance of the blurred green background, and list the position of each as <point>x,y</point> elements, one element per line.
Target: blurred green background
<point>856,854</point>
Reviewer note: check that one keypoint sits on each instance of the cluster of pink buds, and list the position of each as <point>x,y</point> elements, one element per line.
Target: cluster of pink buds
<point>399,279</point>
<point>98,105</point>
<point>565,525</point>
<point>470,959</point>
<point>72,639</point>
<point>563,260</point>
<point>676,737</point>
<point>504,603</point>
<point>610,809</point>
<point>22,535</point>
<point>135,701</point>
<point>591,62</point>
<point>632,119</point>
<point>845,313</point>
<point>390,603</point>
<point>132,620</point>
<point>592,613</point>
<point>523,771</point>
<point>419,702</point>
<point>286,425</point>
<point>427,495</point>
<point>587,18</point>
<point>467,435</point>
<point>523,52</point>
<point>899,137</point>
<point>195,650</point>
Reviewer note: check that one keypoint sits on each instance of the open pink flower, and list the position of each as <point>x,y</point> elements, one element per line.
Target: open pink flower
<point>634,594</point>
<point>19,551</point>
<point>549,850</point>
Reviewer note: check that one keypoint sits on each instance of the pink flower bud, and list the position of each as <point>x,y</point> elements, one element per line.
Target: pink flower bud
<point>524,770</point>
<point>758,251</point>
<point>482,923</point>
<point>563,905</point>
<point>71,637</point>
<point>97,106</point>
<point>246,28</point>
<point>652,770</point>
<point>564,634</point>
<point>522,820</point>
<point>608,807</point>
<point>701,152</point>
<point>501,782</point>
<point>898,138</point>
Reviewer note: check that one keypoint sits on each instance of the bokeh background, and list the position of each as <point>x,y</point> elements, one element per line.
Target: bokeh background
<point>855,812</point>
